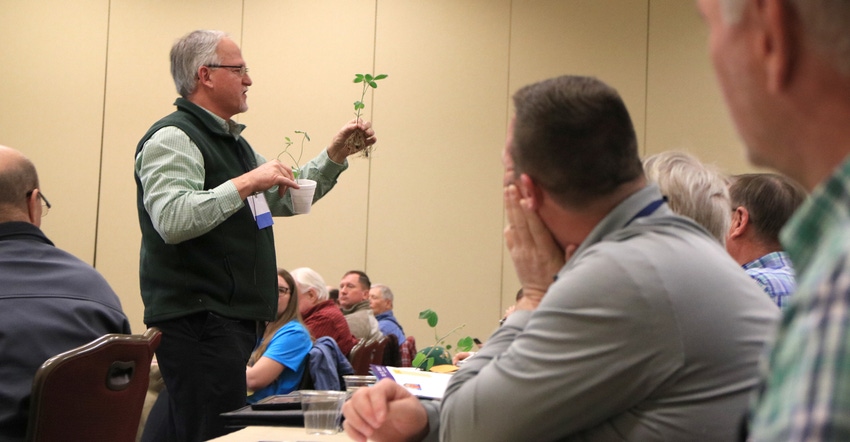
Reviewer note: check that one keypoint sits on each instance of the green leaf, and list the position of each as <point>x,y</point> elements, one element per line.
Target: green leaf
<point>430,316</point>
<point>373,84</point>
<point>418,359</point>
<point>465,344</point>
<point>368,77</point>
<point>306,136</point>
<point>432,320</point>
<point>430,364</point>
<point>380,77</point>
<point>448,347</point>
<point>358,78</point>
<point>288,140</point>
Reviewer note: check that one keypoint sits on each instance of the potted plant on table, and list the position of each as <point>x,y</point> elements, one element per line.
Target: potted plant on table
<point>428,357</point>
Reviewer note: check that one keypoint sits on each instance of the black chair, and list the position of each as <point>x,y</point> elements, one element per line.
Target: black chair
<point>93,392</point>
<point>392,352</point>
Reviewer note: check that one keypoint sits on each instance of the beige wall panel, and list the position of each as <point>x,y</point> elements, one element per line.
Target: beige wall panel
<point>303,57</point>
<point>685,108</point>
<point>140,91</point>
<point>54,54</point>
<point>605,39</point>
<point>440,117</point>
<point>435,207</point>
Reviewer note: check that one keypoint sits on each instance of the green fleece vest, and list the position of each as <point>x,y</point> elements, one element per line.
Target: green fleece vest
<point>231,270</point>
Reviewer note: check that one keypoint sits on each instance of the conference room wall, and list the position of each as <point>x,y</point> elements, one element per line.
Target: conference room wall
<point>424,214</point>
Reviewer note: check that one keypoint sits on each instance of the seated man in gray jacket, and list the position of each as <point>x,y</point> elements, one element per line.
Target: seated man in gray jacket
<point>649,331</point>
<point>50,301</point>
<point>354,302</point>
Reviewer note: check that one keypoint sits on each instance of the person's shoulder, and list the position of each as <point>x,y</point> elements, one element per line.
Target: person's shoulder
<point>78,277</point>
<point>292,328</point>
<point>331,310</point>
<point>291,333</point>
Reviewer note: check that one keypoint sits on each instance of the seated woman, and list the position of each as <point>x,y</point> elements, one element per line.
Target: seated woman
<point>279,361</point>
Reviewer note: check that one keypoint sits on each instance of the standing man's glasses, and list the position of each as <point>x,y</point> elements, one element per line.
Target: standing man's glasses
<point>239,70</point>
<point>44,203</point>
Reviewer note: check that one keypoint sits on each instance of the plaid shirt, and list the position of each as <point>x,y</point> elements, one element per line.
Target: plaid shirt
<point>408,351</point>
<point>806,395</point>
<point>775,275</point>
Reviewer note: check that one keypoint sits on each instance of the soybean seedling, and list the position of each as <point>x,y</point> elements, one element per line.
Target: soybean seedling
<point>296,171</point>
<point>357,141</point>
<point>424,359</point>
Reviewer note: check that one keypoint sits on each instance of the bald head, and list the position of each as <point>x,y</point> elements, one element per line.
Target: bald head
<point>17,178</point>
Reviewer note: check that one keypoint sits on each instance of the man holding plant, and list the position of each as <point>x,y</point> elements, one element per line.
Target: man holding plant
<point>205,202</point>
<point>650,331</point>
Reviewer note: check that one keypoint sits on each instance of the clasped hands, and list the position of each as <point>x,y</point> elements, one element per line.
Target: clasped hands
<point>534,252</point>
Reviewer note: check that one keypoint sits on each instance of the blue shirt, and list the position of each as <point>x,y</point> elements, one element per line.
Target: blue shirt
<point>289,346</point>
<point>775,275</point>
<point>388,325</point>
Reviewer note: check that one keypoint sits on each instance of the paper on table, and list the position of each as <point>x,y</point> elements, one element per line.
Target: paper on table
<point>424,384</point>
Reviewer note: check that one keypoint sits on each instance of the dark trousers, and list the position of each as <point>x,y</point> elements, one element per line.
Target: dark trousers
<point>202,358</point>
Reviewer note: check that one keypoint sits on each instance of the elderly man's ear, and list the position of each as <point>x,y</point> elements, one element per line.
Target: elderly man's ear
<point>740,222</point>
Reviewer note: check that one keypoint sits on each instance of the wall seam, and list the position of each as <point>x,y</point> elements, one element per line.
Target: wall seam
<point>371,118</point>
<point>507,123</point>
<point>102,134</point>
<point>646,81</point>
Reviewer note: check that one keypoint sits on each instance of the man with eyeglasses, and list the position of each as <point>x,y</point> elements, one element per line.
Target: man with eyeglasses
<point>205,200</point>
<point>50,301</point>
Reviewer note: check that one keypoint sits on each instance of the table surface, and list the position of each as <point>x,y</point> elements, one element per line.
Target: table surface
<point>279,434</point>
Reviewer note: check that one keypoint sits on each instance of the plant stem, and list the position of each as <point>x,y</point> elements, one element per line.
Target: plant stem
<point>362,97</point>
<point>449,333</point>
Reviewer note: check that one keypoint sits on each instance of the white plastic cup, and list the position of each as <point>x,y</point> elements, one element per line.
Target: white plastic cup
<point>322,410</point>
<point>302,199</point>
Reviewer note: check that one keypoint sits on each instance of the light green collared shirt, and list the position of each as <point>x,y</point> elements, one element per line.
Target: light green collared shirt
<point>171,170</point>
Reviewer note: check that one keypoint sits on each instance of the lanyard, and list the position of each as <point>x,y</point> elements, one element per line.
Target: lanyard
<point>649,209</point>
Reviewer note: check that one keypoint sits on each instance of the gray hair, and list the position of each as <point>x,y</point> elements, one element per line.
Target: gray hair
<point>693,189</point>
<point>386,293</point>
<point>825,21</point>
<point>193,50</point>
<point>308,278</point>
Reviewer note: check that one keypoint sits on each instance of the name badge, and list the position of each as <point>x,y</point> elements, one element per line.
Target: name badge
<point>260,209</point>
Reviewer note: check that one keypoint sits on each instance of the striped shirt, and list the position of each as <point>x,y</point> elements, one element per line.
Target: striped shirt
<point>806,395</point>
<point>775,275</point>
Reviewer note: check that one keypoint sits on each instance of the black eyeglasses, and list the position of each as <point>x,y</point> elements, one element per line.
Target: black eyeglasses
<point>239,70</point>
<point>44,202</point>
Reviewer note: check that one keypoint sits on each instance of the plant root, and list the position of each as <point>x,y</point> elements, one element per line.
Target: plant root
<point>356,142</point>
